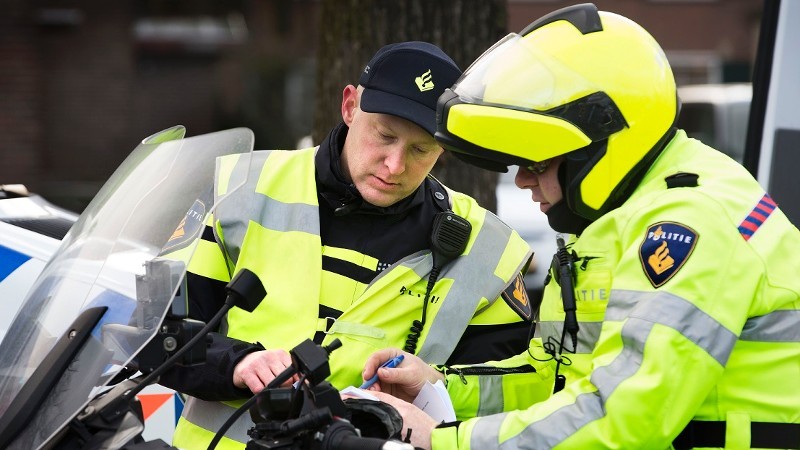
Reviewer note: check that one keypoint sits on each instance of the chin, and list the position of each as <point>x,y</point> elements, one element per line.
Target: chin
<point>380,200</point>
<point>384,203</point>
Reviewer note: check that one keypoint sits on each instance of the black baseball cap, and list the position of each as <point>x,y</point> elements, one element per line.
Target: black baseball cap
<point>406,80</point>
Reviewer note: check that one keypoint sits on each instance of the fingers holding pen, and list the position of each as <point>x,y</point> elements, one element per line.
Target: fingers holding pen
<point>403,381</point>
<point>378,358</point>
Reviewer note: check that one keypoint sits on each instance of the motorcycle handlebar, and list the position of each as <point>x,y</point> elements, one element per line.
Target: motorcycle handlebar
<point>341,435</point>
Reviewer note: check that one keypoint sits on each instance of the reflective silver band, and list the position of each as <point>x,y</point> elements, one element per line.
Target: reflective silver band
<point>641,311</point>
<point>486,432</point>
<point>677,313</point>
<point>588,334</point>
<point>491,398</point>
<point>232,213</point>
<point>212,415</point>
<point>777,326</point>
<point>469,286</point>
<point>278,216</point>
<point>246,204</point>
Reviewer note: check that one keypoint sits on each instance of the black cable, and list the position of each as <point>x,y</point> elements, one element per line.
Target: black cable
<point>418,325</point>
<point>531,331</point>
<point>277,381</point>
<point>566,274</point>
<point>152,376</point>
<point>449,237</point>
<point>300,382</point>
<point>560,379</point>
<point>244,290</point>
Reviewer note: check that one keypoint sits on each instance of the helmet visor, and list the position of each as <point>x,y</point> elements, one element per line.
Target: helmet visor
<point>517,105</point>
<point>515,73</point>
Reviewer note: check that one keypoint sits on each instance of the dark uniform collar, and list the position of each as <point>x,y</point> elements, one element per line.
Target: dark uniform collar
<point>342,195</point>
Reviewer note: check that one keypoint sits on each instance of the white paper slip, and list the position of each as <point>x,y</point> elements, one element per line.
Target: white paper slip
<point>359,393</point>
<point>433,399</point>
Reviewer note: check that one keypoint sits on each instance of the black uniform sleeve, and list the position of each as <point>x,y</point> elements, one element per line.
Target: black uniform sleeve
<point>213,380</point>
<point>481,343</point>
<point>206,296</point>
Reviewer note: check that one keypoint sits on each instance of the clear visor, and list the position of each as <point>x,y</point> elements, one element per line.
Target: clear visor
<point>515,73</point>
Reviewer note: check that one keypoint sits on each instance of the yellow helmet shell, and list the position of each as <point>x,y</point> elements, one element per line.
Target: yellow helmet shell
<point>575,80</point>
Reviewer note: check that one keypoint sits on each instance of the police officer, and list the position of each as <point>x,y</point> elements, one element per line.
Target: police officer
<point>341,237</point>
<point>685,271</point>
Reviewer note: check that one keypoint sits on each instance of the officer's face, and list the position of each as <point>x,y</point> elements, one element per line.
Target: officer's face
<point>385,157</point>
<point>544,186</point>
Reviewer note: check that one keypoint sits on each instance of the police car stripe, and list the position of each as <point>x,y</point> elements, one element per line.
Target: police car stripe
<point>10,260</point>
<point>757,217</point>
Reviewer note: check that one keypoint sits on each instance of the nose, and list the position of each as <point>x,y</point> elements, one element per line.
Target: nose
<point>525,178</point>
<point>395,160</point>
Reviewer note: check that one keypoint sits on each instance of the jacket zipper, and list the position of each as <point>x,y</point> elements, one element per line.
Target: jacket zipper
<point>463,372</point>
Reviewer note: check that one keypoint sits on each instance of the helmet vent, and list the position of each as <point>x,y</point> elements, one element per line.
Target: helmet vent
<point>584,17</point>
<point>596,115</point>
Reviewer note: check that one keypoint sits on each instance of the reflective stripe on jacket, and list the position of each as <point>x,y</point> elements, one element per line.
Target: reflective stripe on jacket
<point>276,213</point>
<point>718,341</point>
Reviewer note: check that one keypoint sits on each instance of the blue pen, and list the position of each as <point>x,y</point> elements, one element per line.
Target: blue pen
<point>391,364</point>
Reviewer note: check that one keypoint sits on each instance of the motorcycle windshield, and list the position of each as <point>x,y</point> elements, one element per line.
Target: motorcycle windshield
<point>125,256</point>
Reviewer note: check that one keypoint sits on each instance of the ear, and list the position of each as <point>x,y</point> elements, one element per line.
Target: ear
<point>349,103</point>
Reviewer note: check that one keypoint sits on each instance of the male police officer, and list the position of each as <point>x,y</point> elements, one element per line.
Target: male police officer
<point>340,235</point>
<point>691,336</point>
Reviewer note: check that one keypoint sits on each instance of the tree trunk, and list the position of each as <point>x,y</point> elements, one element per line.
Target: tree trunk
<point>352,31</point>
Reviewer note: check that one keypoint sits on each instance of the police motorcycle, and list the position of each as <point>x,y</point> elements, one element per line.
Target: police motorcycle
<point>108,315</point>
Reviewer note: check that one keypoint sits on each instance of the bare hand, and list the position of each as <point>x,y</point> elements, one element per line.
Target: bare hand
<point>421,424</point>
<point>406,380</point>
<point>257,369</point>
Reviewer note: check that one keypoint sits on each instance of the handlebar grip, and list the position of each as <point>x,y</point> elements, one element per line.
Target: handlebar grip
<point>341,435</point>
<point>353,442</point>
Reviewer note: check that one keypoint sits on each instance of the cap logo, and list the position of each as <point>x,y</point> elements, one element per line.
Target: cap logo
<point>425,81</point>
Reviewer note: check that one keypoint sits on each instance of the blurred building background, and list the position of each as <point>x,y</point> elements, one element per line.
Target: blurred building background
<point>82,82</point>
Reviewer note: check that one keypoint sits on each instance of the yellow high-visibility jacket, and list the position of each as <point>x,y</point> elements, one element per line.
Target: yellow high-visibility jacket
<point>270,225</point>
<point>689,307</point>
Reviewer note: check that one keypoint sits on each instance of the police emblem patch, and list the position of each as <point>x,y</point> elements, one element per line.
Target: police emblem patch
<point>666,247</point>
<point>516,297</point>
<point>189,228</point>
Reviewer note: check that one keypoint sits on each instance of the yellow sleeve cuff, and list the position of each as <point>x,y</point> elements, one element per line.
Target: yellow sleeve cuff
<point>445,438</point>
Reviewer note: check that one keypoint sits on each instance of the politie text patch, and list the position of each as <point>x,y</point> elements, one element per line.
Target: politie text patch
<point>666,247</point>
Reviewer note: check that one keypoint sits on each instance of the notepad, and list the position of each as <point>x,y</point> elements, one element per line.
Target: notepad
<point>358,393</point>
<point>434,401</point>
